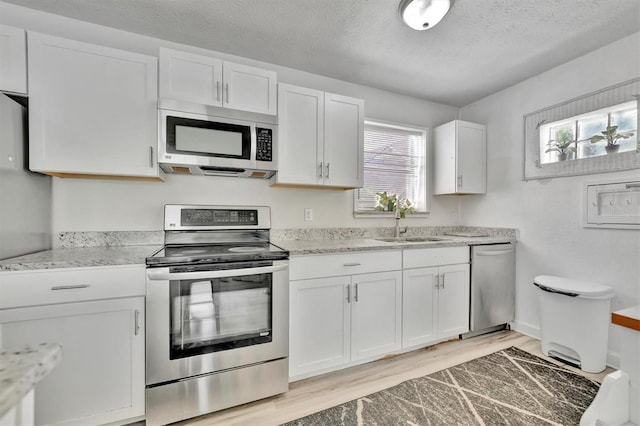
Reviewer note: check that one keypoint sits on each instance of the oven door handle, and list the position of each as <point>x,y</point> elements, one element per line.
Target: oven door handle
<point>171,276</point>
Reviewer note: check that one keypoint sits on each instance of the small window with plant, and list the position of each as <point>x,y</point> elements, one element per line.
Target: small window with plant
<point>603,132</point>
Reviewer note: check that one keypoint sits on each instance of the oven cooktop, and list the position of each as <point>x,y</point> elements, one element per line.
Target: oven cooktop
<point>216,253</point>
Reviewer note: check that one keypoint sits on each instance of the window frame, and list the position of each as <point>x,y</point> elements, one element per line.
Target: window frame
<point>426,132</point>
<point>601,99</point>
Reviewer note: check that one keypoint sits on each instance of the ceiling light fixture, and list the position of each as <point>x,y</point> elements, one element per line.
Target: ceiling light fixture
<point>423,14</point>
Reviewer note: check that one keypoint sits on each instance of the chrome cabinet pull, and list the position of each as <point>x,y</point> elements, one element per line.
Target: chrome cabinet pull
<point>351,264</point>
<point>136,328</point>
<point>150,156</point>
<point>327,170</point>
<point>227,89</point>
<point>355,296</point>
<point>348,294</point>
<point>442,281</point>
<point>459,181</point>
<point>436,279</point>
<point>218,91</point>
<point>69,287</point>
<point>320,170</point>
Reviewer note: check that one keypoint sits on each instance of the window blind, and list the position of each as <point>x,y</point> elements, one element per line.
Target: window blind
<point>395,162</point>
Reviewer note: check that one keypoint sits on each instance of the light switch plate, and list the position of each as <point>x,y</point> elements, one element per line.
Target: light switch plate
<point>308,214</point>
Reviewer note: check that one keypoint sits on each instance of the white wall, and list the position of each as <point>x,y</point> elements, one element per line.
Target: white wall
<point>548,213</point>
<point>92,205</point>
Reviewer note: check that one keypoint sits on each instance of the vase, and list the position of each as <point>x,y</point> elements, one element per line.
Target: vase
<point>562,156</point>
<point>612,149</point>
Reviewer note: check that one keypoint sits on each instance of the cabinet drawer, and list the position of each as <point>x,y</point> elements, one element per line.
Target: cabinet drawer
<point>51,286</point>
<point>421,258</point>
<point>344,264</point>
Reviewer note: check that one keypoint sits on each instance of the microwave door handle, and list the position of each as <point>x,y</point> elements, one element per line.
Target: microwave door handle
<point>254,146</point>
<point>171,276</point>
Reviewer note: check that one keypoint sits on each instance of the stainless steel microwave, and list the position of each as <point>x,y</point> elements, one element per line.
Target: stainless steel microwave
<point>215,146</point>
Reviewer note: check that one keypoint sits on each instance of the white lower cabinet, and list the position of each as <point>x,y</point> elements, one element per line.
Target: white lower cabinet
<point>376,314</point>
<point>355,307</point>
<point>435,304</point>
<point>320,325</point>
<point>101,376</point>
<point>343,320</point>
<point>435,298</point>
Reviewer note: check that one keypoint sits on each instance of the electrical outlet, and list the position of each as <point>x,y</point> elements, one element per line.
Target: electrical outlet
<point>308,214</point>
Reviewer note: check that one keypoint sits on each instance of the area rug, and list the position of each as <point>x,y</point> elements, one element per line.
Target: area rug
<point>509,387</point>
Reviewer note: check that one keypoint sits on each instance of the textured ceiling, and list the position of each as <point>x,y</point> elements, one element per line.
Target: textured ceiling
<point>480,47</point>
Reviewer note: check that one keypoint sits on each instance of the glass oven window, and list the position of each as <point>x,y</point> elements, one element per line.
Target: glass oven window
<point>220,314</point>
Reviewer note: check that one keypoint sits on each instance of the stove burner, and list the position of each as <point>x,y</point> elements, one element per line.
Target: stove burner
<point>247,249</point>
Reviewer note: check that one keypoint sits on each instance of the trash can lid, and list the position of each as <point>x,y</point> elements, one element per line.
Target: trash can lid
<point>574,288</point>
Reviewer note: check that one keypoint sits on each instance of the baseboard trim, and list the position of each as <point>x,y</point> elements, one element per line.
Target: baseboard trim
<point>526,329</point>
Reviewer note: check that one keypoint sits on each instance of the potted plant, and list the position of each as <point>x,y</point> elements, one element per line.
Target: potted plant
<point>611,135</point>
<point>391,202</point>
<point>563,144</point>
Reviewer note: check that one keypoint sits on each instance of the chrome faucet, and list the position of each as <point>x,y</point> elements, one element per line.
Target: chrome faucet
<point>397,217</point>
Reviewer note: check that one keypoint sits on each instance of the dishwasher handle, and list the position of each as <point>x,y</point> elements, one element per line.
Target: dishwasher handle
<point>493,252</point>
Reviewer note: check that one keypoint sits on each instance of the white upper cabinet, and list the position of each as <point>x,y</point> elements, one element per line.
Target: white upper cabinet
<point>189,77</point>
<point>204,80</point>
<point>343,141</point>
<point>301,135</point>
<point>460,158</point>
<point>92,110</point>
<point>13,60</point>
<point>321,139</point>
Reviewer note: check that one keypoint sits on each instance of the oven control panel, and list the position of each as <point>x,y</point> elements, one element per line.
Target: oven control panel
<point>218,217</point>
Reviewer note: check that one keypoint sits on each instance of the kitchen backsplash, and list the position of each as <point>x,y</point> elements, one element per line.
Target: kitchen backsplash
<point>135,238</point>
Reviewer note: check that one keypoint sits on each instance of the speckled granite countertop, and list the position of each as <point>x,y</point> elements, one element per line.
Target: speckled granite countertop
<point>22,368</point>
<point>86,249</point>
<point>308,247</point>
<point>80,257</point>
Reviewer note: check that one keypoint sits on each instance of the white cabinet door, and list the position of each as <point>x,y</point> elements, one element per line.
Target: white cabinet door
<point>453,301</point>
<point>13,60</point>
<point>101,376</point>
<point>189,77</point>
<point>376,314</point>
<point>301,135</point>
<point>419,306</point>
<point>92,109</point>
<point>319,325</point>
<point>460,158</point>
<point>249,89</point>
<point>343,141</point>
<point>321,139</point>
<point>472,158</point>
<point>204,80</point>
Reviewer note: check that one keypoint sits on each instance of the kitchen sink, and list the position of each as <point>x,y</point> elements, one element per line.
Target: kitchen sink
<point>411,239</point>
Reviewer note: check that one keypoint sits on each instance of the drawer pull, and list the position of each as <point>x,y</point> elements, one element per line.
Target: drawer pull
<point>69,287</point>
<point>351,264</point>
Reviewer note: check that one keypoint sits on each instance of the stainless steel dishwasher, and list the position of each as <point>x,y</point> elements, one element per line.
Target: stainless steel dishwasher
<point>493,276</point>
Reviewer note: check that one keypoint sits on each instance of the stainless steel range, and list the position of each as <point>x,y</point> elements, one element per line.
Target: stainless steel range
<point>217,313</point>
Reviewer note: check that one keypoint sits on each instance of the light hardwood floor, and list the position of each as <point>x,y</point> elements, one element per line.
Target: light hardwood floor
<point>318,393</point>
